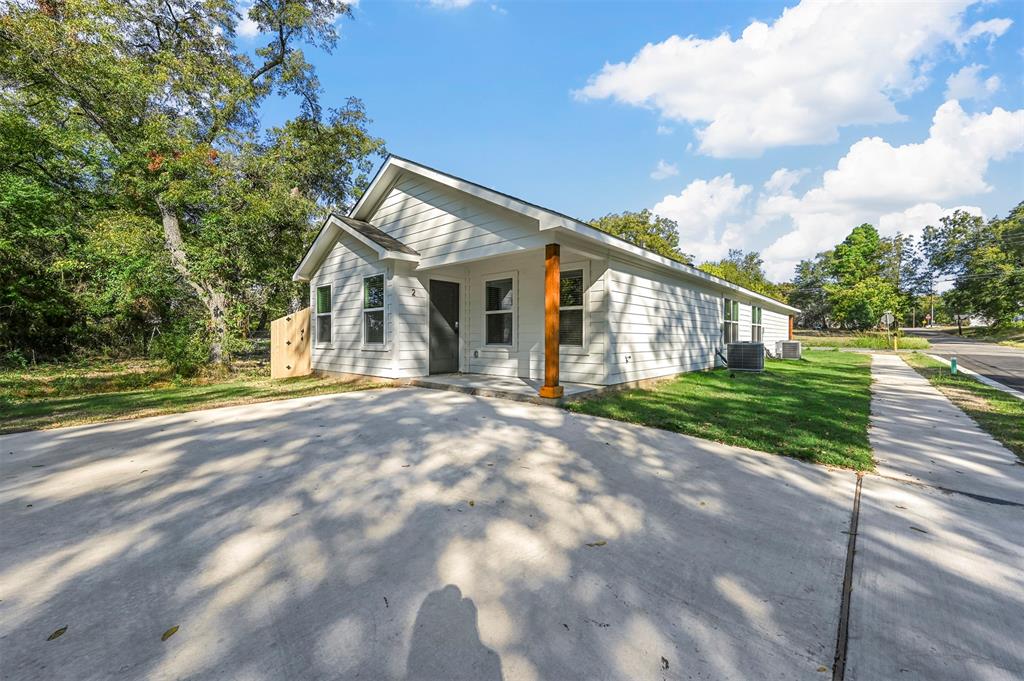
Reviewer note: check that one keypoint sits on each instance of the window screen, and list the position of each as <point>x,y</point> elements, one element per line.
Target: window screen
<point>498,299</point>
<point>731,327</point>
<point>323,314</point>
<point>756,328</point>
<point>570,316</point>
<point>373,309</point>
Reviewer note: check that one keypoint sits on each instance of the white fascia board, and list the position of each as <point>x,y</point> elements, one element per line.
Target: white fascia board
<point>382,179</point>
<point>317,251</point>
<point>617,244</point>
<point>546,220</point>
<point>325,241</point>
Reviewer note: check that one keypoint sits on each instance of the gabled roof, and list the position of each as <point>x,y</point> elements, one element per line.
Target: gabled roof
<point>379,237</point>
<point>394,166</point>
<point>380,242</point>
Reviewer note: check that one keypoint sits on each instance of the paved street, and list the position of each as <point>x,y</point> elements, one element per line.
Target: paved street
<point>998,362</point>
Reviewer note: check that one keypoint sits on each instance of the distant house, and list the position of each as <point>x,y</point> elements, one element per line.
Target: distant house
<point>430,273</point>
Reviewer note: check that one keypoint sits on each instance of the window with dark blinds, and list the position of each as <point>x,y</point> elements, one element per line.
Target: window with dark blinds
<point>373,309</point>
<point>570,316</point>
<point>731,326</point>
<point>323,314</point>
<point>498,303</point>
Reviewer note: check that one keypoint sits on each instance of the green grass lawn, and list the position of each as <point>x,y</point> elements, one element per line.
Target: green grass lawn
<point>54,395</point>
<point>815,409</point>
<point>867,341</point>
<point>999,414</point>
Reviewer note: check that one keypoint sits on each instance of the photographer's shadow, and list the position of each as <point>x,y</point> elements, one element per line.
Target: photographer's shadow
<point>446,643</point>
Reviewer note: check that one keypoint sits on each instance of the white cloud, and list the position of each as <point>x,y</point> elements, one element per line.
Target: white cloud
<point>664,170</point>
<point>914,219</point>
<point>700,209</point>
<point>246,27</point>
<point>783,180</point>
<point>499,9</point>
<point>451,4</point>
<point>906,185</point>
<point>993,28</point>
<point>664,130</point>
<point>816,68</point>
<point>967,84</point>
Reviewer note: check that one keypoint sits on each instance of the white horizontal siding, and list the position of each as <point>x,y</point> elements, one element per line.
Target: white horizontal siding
<point>526,357</point>
<point>658,325</point>
<point>445,224</point>
<point>344,268</point>
<point>776,328</point>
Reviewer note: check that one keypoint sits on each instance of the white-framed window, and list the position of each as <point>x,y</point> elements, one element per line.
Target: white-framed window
<point>572,286</point>
<point>373,309</point>
<point>324,317</point>
<point>756,329</point>
<point>731,327</point>
<point>499,309</point>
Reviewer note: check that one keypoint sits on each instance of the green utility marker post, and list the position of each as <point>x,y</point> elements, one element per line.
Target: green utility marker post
<point>952,366</point>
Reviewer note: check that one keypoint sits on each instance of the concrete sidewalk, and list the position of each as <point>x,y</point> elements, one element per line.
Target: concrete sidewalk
<point>938,578</point>
<point>918,434</point>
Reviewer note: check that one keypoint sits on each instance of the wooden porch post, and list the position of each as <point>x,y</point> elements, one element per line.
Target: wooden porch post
<point>552,300</point>
<point>790,327</point>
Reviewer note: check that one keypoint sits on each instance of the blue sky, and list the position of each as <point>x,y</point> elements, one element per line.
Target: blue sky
<point>773,133</point>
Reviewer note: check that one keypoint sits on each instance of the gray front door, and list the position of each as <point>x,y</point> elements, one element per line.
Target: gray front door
<point>444,327</point>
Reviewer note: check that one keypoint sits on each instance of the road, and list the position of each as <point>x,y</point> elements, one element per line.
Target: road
<point>998,362</point>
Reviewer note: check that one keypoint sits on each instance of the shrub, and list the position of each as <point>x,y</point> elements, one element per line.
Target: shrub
<point>185,350</point>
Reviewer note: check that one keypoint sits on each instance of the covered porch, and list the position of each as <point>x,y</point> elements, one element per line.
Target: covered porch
<point>527,323</point>
<point>509,388</point>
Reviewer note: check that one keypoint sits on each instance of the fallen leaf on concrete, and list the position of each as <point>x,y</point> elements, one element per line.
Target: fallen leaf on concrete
<point>472,503</point>
<point>169,633</point>
<point>57,634</point>
<point>664,663</point>
<point>597,543</point>
<point>822,668</point>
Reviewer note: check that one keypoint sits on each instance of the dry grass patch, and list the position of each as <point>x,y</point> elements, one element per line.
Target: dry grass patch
<point>55,395</point>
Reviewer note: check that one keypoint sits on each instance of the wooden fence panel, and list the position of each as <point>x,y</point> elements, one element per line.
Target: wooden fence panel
<point>289,345</point>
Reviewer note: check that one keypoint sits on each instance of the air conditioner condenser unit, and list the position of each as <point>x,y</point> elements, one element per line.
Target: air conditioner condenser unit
<point>745,356</point>
<point>787,349</point>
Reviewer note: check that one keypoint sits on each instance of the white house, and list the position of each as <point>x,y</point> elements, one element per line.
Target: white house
<point>431,274</point>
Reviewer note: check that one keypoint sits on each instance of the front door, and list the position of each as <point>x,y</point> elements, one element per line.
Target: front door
<point>444,327</point>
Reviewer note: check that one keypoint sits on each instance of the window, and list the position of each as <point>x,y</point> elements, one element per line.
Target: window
<point>373,310</point>
<point>756,330</point>
<point>498,298</point>
<point>323,314</point>
<point>732,321</point>
<point>570,315</point>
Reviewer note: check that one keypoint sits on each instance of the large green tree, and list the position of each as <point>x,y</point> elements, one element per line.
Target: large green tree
<point>159,93</point>
<point>745,269</point>
<point>985,261</point>
<point>646,230</point>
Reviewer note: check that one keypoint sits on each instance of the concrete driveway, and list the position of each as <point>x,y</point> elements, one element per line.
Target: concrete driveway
<point>412,534</point>
<point>998,362</point>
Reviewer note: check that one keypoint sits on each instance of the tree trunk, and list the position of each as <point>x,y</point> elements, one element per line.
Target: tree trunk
<point>210,294</point>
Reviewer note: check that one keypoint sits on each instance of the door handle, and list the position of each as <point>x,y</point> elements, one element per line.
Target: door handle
<point>456,324</point>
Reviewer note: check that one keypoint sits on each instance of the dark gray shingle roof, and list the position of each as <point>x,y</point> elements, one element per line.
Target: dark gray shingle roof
<point>381,238</point>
